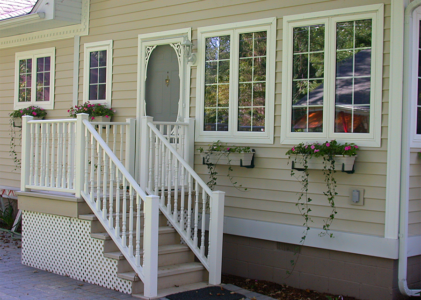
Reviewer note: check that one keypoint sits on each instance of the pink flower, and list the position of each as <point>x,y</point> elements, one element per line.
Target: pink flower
<point>228,149</point>
<point>293,149</point>
<point>114,111</point>
<point>68,110</point>
<point>86,108</point>
<point>306,146</point>
<point>76,106</point>
<point>92,118</point>
<point>316,150</point>
<point>21,111</point>
<point>355,146</point>
<point>34,113</point>
<point>347,148</point>
<point>42,109</point>
<point>327,144</point>
<point>107,116</point>
<point>312,146</point>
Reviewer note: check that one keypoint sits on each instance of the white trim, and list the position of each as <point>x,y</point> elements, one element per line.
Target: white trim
<point>394,141</point>
<point>234,29</point>
<point>65,32</point>
<point>152,40</point>
<point>413,83</point>
<point>25,20</point>
<point>330,18</point>
<point>98,46</point>
<point>34,54</point>
<point>342,241</point>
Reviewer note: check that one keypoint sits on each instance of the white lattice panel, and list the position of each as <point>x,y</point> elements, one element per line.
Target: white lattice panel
<point>64,246</point>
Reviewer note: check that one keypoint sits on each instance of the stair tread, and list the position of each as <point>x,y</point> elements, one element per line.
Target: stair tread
<point>106,236</point>
<point>174,290</point>
<point>161,250</point>
<point>166,270</point>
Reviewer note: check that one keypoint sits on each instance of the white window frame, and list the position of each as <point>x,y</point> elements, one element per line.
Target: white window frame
<point>98,46</point>
<point>330,18</point>
<point>413,92</point>
<point>234,30</point>
<point>34,54</point>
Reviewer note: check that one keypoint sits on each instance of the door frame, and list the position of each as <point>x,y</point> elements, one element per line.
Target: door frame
<point>146,44</point>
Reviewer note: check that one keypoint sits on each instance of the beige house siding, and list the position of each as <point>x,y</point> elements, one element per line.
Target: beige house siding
<point>63,98</point>
<point>414,218</point>
<point>272,192</point>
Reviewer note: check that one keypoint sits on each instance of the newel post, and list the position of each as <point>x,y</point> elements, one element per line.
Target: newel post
<point>144,152</point>
<point>80,153</point>
<point>216,232</point>
<point>150,246</point>
<point>130,146</point>
<point>26,153</point>
<point>189,146</point>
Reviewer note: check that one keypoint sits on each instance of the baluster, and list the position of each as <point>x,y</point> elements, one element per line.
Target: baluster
<point>47,157</point>
<point>87,145</point>
<point>53,148</point>
<point>196,212</point>
<point>114,138</point>
<point>59,153</point>
<point>31,159</point>
<point>189,206</point>
<point>36,154</point>
<point>202,242</point>
<point>183,134</point>
<point>111,198</point>
<point>162,175</point>
<point>70,151</point>
<point>182,196</point>
<point>151,166</point>
<point>157,162</point>
<point>138,202</point>
<point>124,216</point>
<point>117,204</point>
<point>43,153</point>
<point>122,130</point>
<point>209,198</point>
<point>131,222</point>
<point>107,134</point>
<point>169,180</point>
<point>175,172</point>
<point>104,186</point>
<point>92,160</point>
<point>63,159</point>
<point>98,184</point>
<point>176,138</point>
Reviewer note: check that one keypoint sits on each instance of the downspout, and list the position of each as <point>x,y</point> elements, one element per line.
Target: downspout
<point>404,196</point>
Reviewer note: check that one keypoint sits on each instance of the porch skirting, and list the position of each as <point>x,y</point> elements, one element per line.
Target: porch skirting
<point>64,246</point>
<point>361,276</point>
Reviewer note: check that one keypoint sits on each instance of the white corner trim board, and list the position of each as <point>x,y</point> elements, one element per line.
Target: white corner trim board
<point>50,34</point>
<point>342,241</point>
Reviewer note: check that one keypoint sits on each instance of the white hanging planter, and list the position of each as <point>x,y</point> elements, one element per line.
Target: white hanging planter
<point>233,159</point>
<point>17,122</point>
<point>343,163</point>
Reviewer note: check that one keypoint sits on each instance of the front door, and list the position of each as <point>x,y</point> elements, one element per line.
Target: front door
<point>162,85</point>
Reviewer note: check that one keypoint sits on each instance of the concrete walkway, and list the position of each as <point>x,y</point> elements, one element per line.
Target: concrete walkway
<point>21,282</point>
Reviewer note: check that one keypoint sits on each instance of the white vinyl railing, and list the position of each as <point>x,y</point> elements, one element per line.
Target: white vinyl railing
<point>185,199</point>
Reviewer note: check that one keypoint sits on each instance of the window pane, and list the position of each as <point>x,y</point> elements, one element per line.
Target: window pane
<point>43,79</point>
<point>94,59</point>
<point>101,92</point>
<point>419,91</point>
<point>419,120</point>
<point>353,76</point>
<point>217,79</point>
<point>25,80</point>
<point>47,61</point>
<point>40,64</point>
<point>98,75</point>
<point>93,92</point>
<point>102,75</point>
<point>308,79</point>
<point>252,78</point>
<point>102,58</point>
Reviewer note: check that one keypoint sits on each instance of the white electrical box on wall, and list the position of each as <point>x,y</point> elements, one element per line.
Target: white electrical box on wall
<point>356,196</point>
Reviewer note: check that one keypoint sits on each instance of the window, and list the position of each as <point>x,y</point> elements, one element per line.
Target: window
<point>415,83</point>
<point>332,76</point>
<point>98,70</point>
<point>34,78</point>
<point>236,82</point>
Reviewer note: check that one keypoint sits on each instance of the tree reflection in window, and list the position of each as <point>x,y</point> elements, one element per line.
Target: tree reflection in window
<point>43,79</point>
<point>353,76</point>
<point>25,80</point>
<point>217,79</point>
<point>252,81</point>
<point>308,78</point>
<point>97,75</point>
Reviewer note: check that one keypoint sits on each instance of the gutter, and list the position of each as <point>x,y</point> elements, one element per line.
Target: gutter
<point>405,166</point>
<point>22,20</point>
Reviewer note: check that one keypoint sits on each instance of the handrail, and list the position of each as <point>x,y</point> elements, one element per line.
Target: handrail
<point>52,121</point>
<point>110,123</point>
<point>180,159</point>
<point>170,123</point>
<point>115,160</point>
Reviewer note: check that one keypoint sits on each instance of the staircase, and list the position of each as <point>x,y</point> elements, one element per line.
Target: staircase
<point>166,233</point>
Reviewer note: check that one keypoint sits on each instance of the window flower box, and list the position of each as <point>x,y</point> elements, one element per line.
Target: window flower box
<point>229,158</point>
<point>344,163</point>
<point>100,119</point>
<point>17,122</point>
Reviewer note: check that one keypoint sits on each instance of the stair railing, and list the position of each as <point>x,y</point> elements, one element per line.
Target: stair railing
<point>193,209</point>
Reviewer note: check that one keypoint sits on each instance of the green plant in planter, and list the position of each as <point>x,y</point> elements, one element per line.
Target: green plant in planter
<point>221,149</point>
<point>93,110</point>
<point>16,134</point>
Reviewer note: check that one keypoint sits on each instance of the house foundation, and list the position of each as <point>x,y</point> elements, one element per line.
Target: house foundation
<point>360,276</point>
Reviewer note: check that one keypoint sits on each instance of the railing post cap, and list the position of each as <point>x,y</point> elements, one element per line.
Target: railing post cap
<point>27,117</point>
<point>219,192</point>
<point>82,115</point>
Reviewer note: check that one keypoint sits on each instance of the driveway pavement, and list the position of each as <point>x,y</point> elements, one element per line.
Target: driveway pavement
<point>21,282</point>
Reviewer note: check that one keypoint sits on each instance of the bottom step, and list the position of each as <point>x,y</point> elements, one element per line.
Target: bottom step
<point>175,290</point>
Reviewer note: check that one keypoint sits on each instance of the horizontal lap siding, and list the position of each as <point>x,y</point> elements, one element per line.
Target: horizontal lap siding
<point>63,98</point>
<point>272,192</point>
<point>414,219</point>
